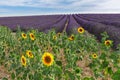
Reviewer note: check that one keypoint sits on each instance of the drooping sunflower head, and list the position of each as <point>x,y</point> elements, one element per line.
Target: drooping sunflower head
<point>24,35</point>
<point>94,56</point>
<point>71,37</point>
<point>54,37</point>
<point>29,54</point>
<point>32,37</point>
<point>23,60</point>
<point>47,59</point>
<point>108,42</point>
<point>81,30</point>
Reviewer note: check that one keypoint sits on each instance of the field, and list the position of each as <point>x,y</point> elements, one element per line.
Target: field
<point>60,47</point>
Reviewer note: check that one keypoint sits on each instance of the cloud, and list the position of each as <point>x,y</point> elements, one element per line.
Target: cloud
<point>47,3</point>
<point>110,4</point>
<point>68,5</point>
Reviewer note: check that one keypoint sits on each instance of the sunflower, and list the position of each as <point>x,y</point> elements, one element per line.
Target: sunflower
<point>58,33</point>
<point>32,36</point>
<point>81,30</point>
<point>23,60</point>
<point>29,54</point>
<point>24,35</point>
<point>71,38</point>
<point>108,42</point>
<point>47,59</point>
<point>94,56</point>
<point>54,37</point>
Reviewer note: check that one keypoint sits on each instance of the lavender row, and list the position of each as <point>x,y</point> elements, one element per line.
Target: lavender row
<point>40,22</point>
<point>59,26</point>
<point>114,17</point>
<point>97,28</point>
<point>112,22</point>
<point>72,24</point>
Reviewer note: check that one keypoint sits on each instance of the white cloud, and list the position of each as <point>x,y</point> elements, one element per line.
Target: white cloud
<point>14,2</point>
<point>110,4</point>
<point>46,3</point>
<point>71,5</point>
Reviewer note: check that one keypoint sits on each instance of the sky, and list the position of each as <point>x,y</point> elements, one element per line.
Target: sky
<point>50,7</point>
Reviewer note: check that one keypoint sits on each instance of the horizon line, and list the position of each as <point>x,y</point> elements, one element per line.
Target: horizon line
<point>18,15</point>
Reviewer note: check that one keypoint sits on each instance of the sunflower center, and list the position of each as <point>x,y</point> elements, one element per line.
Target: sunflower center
<point>24,35</point>
<point>30,53</point>
<point>108,43</point>
<point>72,37</point>
<point>54,37</point>
<point>23,60</point>
<point>80,30</point>
<point>47,59</point>
<point>32,36</point>
<point>94,55</point>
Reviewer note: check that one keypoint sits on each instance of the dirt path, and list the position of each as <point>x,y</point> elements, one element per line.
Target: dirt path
<point>4,73</point>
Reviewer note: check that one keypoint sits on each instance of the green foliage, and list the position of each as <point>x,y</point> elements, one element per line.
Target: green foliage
<point>116,75</point>
<point>66,54</point>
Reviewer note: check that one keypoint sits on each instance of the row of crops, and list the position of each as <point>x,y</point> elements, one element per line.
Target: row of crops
<point>34,55</point>
<point>93,23</point>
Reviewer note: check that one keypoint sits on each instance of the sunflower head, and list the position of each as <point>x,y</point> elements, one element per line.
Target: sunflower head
<point>81,30</point>
<point>71,38</point>
<point>58,33</point>
<point>54,37</point>
<point>94,56</point>
<point>108,42</point>
<point>47,59</point>
<point>23,60</point>
<point>29,54</point>
<point>32,37</point>
<point>24,35</point>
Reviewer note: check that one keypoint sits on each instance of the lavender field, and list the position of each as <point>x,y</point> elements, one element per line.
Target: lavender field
<point>93,23</point>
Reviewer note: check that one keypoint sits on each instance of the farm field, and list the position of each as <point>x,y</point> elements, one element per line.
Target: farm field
<point>60,47</point>
<point>93,23</point>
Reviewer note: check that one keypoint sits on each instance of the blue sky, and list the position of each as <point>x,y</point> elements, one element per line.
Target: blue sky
<point>43,7</point>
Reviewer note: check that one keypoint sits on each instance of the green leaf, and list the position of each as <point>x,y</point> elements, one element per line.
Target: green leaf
<point>78,70</point>
<point>4,78</point>
<point>103,56</point>
<point>58,70</point>
<point>59,63</point>
<point>24,76</point>
<point>71,75</point>
<point>86,78</point>
<point>30,76</point>
<point>105,64</point>
<point>38,76</point>
<point>13,76</point>
<point>110,70</point>
<point>116,75</point>
<point>19,70</point>
<point>92,65</point>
